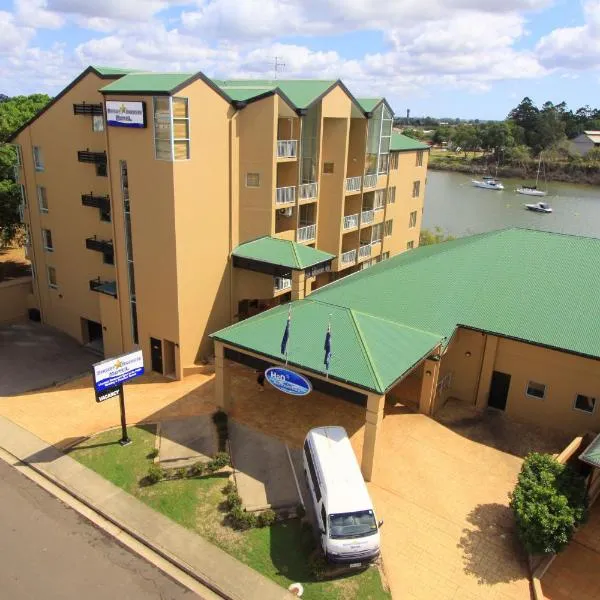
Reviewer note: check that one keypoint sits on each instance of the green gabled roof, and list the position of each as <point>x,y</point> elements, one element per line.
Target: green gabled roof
<point>591,455</point>
<point>302,92</point>
<point>533,286</point>
<point>403,143</point>
<point>284,253</point>
<point>147,82</point>
<point>109,71</point>
<point>368,104</point>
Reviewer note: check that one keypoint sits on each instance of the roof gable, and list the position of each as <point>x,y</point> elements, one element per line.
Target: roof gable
<point>403,143</point>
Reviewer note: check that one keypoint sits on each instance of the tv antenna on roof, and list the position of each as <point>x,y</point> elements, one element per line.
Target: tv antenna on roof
<point>279,65</point>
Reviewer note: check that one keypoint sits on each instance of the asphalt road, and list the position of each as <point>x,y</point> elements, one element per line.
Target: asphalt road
<point>48,551</point>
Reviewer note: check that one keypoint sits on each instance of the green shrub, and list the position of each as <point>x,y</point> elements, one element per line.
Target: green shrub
<point>233,500</point>
<point>181,473</point>
<point>153,454</point>
<point>220,460</point>
<point>197,469</point>
<point>266,518</point>
<point>549,502</point>
<point>155,473</point>
<point>242,520</point>
<point>230,487</point>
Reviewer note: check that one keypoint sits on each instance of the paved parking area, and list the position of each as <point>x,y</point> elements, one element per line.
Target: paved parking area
<point>34,356</point>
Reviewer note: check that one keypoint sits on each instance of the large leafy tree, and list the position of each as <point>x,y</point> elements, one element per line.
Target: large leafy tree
<point>14,112</point>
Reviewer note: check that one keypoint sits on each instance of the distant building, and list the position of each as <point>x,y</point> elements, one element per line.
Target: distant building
<point>585,142</point>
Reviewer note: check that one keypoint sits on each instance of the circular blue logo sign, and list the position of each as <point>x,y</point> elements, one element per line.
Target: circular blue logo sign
<point>288,382</point>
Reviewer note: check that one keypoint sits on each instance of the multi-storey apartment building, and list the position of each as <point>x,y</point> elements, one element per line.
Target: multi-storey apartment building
<point>163,206</point>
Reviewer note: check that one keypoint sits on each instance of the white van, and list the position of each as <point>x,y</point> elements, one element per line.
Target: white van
<point>344,511</point>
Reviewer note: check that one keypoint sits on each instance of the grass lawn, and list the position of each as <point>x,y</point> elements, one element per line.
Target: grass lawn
<point>279,552</point>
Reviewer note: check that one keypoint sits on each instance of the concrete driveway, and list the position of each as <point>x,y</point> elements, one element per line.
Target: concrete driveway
<point>34,356</point>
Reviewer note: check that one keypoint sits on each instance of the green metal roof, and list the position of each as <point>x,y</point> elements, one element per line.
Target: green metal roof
<point>147,82</point>
<point>534,286</point>
<point>302,92</point>
<point>591,455</point>
<point>108,71</point>
<point>282,252</point>
<point>402,143</point>
<point>368,104</point>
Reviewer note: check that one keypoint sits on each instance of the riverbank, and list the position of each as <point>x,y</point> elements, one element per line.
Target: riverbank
<point>565,171</point>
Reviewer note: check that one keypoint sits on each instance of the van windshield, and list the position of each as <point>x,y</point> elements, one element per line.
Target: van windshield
<point>352,525</point>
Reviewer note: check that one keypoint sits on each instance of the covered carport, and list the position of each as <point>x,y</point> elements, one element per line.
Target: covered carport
<point>369,358</point>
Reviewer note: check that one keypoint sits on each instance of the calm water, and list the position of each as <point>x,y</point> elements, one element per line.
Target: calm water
<point>461,209</point>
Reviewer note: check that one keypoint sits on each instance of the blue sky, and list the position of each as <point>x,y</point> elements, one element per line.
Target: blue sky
<point>451,58</point>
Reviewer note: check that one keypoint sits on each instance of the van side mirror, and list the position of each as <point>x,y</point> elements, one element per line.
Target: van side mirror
<point>380,523</point>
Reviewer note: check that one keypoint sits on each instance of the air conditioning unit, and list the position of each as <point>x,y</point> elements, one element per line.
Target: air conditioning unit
<point>286,212</point>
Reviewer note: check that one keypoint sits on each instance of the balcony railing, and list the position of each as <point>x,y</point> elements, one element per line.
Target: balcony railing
<point>353,184</point>
<point>101,202</point>
<point>86,156</point>
<point>94,243</point>
<point>350,221</point>
<point>348,258</point>
<point>364,251</point>
<point>282,283</point>
<point>104,287</point>
<point>370,181</point>
<point>367,217</point>
<point>307,191</point>
<point>87,109</point>
<point>307,233</point>
<point>287,148</point>
<point>285,195</point>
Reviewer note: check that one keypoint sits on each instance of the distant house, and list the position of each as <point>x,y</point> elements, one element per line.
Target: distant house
<point>585,142</point>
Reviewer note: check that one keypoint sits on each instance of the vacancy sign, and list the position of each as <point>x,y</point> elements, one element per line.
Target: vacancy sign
<point>110,374</point>
<point>125,114</point>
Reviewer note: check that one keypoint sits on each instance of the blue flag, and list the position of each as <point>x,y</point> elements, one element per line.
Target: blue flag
<point>327,348</point>
<point>286,335</point>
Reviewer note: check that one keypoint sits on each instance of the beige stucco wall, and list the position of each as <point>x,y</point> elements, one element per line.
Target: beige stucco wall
<point>250,285</point>
<point>60,134</point>
<point>336,104</point>
<point>14,299</point>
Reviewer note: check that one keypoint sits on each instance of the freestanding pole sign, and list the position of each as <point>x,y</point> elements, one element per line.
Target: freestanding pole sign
<point>109,377</point>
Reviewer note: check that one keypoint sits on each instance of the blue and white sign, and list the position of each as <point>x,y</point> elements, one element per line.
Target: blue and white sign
<point>125,114</point>
<point>288,381</point>
<point>113,372</point>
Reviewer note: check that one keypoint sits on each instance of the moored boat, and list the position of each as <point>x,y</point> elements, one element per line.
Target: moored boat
<point>533,190</point>
<point>487,183</point>
<point>542,207</point>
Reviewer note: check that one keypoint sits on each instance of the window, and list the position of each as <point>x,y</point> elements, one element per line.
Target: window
<point>42,199</point>
<point>108,258</point>
<point>162,128</point>
<point>47,240</point>
<point>391,195</point>
<point>419,162</point>
<point>416,189</point>
<point>23,194</point>
<point>171,128</point>
<point>52,282</point>
<point>585,403</point>
<point>97,123</point>
<point>536,390</point>
<point>384,160</point>
<point>328,168</point>
<point>412,220</point>
<point>410,245</point>
<point>376,232</point>
<point>312,472</point>
<point>394,161</point>
<point>253,180</point>
<point>385,256</point>
<point>181,129</point>
<point>38,159</point>
<point>387,229</point>
<point>101,170</point>
<point>105,215</point>
<point>379,200</point>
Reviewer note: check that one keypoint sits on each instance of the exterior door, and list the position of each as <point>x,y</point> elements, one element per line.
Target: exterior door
<point>499,390</point>
<point>156,355</point>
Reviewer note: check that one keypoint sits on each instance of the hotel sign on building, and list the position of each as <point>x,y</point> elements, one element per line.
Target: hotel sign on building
<point>125,114</point>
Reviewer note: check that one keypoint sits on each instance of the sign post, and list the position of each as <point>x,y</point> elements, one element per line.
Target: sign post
<point>109,377</point>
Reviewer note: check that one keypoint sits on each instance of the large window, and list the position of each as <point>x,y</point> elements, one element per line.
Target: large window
<point>586,404</point>
<point>419,162</point>
<point>47,240</point>
<point>52,281</point>
<point>412,219</point>
<point>416,189</point>
<point>42,199</point>
<point>394,161</point>
<point>309,145</point>
<point>391,195</point>
<point>379,135</point>
<point>38,159</point>
<point>387,230</point>
<point>376,232</point>
<point>379,200</point>
<point>171,128</point>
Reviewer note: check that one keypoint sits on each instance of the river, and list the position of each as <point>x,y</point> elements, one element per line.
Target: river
<point>452,203</point>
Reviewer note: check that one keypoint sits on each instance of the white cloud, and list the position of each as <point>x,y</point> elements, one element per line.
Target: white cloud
<point>130,10</point>
<point>574,47</point>
<point>35,13</point>
<point>14,38</point>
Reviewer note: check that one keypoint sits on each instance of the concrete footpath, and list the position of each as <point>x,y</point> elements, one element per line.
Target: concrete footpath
<point>188,551</point>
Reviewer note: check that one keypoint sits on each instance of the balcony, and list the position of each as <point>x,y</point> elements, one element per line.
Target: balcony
<point>285,195</point>
<point>307,191</point>
<point>105,246</point>
<point>282,283</point>
<point>367,217</point>
<point>370,181</point>
<point>353,184</point>
<point>307,233</point>
<point>287,148</point>
<point>350,222</point>
<point>104,287</point>
<point>348,258</point>
<point>101,202</point>
<point>86,156</point>
<point>87,109</point>
<point>364,251</point>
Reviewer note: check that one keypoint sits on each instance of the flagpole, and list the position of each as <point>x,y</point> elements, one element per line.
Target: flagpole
<point>289,322</point>
<point>328,347</point>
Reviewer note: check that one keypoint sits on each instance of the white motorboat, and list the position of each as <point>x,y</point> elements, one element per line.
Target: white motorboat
<point>532,190</point>
<point>542,207</point>
<point>487,183</point>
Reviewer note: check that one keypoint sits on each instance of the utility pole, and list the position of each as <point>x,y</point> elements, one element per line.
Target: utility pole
<point>278,65</point>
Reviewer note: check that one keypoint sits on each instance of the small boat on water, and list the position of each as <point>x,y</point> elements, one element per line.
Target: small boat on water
<point>532,190</point>
<point>542,207</point>
<point>487,183</point>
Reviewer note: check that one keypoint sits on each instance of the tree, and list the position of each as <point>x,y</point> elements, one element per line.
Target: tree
<point>466,137</point>
<point>437,236</point>
<point>18,110</point>
<point>549,502</point>
<point>496,137</point>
